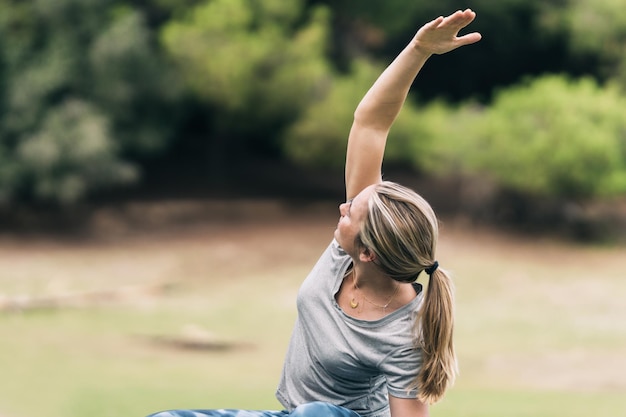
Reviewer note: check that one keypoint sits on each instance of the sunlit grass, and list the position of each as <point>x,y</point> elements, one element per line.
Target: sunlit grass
<point>540,329</point>
<point>498,402</point>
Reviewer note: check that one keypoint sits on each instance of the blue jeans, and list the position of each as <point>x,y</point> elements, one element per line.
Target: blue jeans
<point>314,409</point>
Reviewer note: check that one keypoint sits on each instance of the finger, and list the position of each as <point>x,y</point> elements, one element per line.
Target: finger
<point>434,23</point>
<point>469,38</point>
<point>459,19</point>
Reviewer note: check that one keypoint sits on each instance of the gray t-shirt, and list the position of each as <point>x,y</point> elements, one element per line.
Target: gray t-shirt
<point>342,360</point>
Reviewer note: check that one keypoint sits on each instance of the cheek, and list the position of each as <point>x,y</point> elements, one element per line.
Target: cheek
<point>343,231</point>
<point>348,230</point>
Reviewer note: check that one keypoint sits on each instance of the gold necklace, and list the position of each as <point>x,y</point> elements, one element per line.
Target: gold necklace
<point>354,303</point>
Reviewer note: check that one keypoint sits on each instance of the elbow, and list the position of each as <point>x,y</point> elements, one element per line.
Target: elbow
<point>360,116</point>
<point>376,120</point>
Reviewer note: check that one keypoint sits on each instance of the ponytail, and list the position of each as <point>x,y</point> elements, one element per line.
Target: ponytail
<point>434,329</point>
<point>402,229</point>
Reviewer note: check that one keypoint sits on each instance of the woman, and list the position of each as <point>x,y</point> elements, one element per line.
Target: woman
<point>367,342</point>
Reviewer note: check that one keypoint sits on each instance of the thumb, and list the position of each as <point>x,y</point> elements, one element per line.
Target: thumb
<point>469,39</point>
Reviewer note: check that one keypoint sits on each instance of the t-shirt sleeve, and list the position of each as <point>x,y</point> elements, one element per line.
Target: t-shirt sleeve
<point>400,369</point>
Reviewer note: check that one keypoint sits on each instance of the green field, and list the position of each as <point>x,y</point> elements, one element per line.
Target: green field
<point>540,323</point>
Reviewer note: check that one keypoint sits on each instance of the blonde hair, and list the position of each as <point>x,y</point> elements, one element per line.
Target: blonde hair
<point>402,230</point>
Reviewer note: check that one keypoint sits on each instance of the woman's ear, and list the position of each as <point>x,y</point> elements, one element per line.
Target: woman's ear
<point>367,255</point>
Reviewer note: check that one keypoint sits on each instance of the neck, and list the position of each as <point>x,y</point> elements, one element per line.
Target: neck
<point>370,278</point>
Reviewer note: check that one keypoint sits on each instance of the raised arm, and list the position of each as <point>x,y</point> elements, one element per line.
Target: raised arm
<point>379,108</point>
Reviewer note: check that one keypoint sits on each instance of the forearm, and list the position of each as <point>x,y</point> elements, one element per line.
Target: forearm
<point>374,116</point>
<point>384,100</point>
<point>382,103</point>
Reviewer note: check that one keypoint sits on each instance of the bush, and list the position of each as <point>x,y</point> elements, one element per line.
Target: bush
<point>420,136</point>
<point>79,79</point>
<point>319,137</point>
<point>132,84</point>
<point>256,64</point>
<point>553,136</point>
<point>71,154</point>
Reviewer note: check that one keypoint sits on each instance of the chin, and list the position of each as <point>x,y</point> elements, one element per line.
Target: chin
<point>338,238</point>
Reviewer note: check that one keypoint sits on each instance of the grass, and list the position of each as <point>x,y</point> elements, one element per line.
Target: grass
<point>540,329</point>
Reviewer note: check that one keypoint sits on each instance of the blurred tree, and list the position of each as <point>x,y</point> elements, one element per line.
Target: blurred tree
<point>72,152</point>
<point>580,156</point>
<point>515,43</point>
<point>71,69</point>
<point>257,64</point>
<point>132,85</point>
<point>159,12</point>
<point>413,140</point>
<point>275,78</point>
<point>521,39</point>
<point>554,137</point>
<point>319,137</point>
<point>596,29</point>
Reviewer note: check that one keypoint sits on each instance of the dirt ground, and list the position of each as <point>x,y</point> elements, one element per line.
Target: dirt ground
<point>149,240</point>
<point>144,243</point>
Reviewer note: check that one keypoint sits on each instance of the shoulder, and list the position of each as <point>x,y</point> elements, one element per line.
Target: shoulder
<point>334,254</point>
<point>331,264</point>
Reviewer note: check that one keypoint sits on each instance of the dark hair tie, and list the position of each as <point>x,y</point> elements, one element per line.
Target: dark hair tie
<point>430,270</point>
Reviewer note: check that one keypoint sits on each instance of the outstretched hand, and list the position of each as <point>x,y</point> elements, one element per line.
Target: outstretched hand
<point>440,35</point>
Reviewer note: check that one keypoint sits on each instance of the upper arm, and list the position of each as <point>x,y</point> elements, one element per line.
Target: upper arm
<point>364,158</point>
<point>407,407</point>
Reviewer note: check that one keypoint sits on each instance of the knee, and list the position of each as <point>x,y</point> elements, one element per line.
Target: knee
<point>313,409</point>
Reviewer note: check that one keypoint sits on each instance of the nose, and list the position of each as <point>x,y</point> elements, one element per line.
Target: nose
<point>343,207</point>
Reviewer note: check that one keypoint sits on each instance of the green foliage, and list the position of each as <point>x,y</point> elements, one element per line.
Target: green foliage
<point>391,16</point>
<point>426,137</point>
<point>596,29</point>
<point>595,26</point>
<point>251,60</point>
<point>71,69</point>
<point>169,6</point>
<point>72,153</point>
<point>132,84</point>
<point>553,136</point>
<point>600,27</point>
<point>259,78</point>
<point>319,137</point>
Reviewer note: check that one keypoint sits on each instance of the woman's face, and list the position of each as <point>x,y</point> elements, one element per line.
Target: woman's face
<point>353,213</point>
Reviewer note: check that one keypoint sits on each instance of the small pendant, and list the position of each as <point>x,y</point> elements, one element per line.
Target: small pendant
<point>354,303</point>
